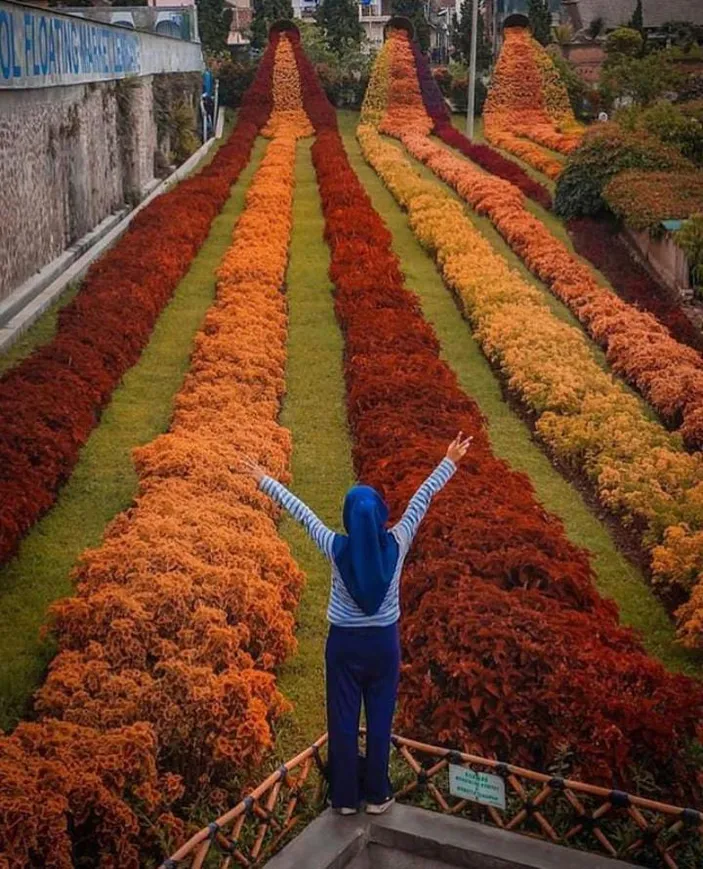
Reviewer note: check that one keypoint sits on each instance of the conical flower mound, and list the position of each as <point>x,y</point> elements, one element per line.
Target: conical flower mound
<point>288,116</point>
<point>528,105</point>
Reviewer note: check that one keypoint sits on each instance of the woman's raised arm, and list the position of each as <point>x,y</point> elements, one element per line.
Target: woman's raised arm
<point>406,528</point>
<point>322,536</point>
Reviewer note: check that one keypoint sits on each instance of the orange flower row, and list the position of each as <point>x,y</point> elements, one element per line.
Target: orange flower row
<point>528,101</point>
<point>187,606</point>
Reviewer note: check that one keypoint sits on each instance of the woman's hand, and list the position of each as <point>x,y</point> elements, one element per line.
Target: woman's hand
<point>458,448</point>
<point>248,466</point>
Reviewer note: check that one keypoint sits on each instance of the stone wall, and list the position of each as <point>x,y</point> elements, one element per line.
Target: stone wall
<point>667,259</point>
<point>69,157</point>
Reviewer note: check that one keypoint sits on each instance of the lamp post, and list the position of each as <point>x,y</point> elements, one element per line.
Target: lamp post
<point>471,102</point>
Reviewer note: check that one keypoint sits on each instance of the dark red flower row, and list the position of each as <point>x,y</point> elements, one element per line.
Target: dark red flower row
<point>485,156</point>
<point>50,402</point>
<point>598,242</point>
<point>508,648</point>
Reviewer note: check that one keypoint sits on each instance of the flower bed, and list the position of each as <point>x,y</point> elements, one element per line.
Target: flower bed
<point>502,623</point>
<point>669,375</point>
<point>528,101</point>
<point>587,419</point>
<point>51,401</point>
<point>642,200</point>
<point>486,157</point>
<point>187,606</point>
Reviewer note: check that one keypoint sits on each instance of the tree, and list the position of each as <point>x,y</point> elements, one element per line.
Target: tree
<point>563,34</point>
<point>265,13</point>
<point>414,10</point>
<point>339,20</point>
<point>637,20</point>
<point>461,37</point>
<point>641,80</point>
<point>214,20</point>
<point>622,43</point>
<point>540,20</point>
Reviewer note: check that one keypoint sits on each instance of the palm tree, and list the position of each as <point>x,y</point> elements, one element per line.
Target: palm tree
<point>563,34</point>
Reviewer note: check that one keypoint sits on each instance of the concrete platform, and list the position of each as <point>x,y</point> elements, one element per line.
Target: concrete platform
<point>411,838</point>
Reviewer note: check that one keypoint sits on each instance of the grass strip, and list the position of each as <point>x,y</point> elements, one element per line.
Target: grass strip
<point>314,411</point>
<point>104,482</point>
<point>511,439</point>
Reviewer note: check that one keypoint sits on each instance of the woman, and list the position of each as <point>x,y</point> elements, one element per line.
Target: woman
<point>362,656</point>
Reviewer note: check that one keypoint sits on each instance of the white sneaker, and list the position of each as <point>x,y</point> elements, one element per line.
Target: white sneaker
<point>379,808</point>
<point>346,811</point>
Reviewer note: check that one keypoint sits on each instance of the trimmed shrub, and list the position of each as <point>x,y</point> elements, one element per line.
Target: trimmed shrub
<point>606,150</point>
<point>643,199</point>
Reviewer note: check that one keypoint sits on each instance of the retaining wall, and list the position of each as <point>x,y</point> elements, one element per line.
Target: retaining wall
<point>80,128</point>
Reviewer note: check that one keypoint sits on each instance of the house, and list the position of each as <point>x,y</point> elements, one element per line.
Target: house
<point>373,17</point>
<point>592,20</point>
<point>616,13</point>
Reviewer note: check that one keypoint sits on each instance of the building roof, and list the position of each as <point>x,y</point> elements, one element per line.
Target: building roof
<point>654,12</point>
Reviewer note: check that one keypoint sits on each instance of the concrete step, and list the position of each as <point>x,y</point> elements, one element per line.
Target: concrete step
<point>378,857</point>
<point>413,838</point>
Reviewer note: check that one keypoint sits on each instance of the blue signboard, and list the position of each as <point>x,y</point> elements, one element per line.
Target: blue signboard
<point>42,46</point>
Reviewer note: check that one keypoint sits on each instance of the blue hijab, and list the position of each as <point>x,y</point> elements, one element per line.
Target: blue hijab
<point>367,556</point>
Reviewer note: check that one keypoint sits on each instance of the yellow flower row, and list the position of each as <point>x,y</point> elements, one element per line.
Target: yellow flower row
<point>586,417</point>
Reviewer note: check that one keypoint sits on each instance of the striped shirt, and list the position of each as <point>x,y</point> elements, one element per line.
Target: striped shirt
<point>342,610</point>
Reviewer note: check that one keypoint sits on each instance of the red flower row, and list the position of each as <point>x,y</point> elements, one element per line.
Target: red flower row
<point>51,401</point>
<point>508,648</point>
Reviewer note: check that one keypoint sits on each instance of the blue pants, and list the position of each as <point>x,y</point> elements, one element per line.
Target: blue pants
<point>360,662</point>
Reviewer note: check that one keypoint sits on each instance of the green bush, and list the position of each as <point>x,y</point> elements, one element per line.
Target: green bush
<point>680,126</point>
<point>692,87</point>
<point>607,149</point>
<point>344,75</point>
<point>623,42</point>
<point>641,80</point>
<point>235,76</point>
<point>576,87</point>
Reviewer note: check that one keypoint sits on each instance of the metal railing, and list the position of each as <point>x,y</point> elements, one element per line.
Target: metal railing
<point>559,810</point>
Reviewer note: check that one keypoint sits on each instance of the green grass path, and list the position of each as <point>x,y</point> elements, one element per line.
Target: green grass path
<point>104,482</point>
<point>315,412</point>
<point>40,332</point>
<point>510,438</point>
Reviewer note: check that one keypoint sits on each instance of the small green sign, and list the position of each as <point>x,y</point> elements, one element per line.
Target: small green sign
<point>479,787</point>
